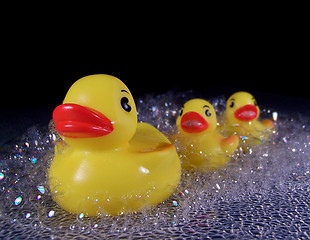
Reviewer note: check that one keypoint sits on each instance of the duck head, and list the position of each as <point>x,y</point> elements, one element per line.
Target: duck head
<point>197,116</point>
<point>242,107</point>
<point>97,112</point>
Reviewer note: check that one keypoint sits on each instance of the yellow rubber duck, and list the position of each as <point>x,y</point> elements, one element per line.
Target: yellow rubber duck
<point>241,118</point>
<point>201,146</point>
<point>108,164</point>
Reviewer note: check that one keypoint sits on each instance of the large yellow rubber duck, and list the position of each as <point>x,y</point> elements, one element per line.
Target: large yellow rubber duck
<point>108,164</point>
<point>201,147</point>
<point>241,118</point>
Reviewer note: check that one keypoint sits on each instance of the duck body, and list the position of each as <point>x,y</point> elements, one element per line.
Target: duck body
<point>207,152</point>
<point>241,118</point>
<point>116,181</point>
<point>106,166</point>
<point>201,146</point>
<point>253,129</point>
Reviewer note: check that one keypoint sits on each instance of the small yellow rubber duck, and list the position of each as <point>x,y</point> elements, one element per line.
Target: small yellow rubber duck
<point>241,117</point>
<point>108,163</point>
<point>201,146</point>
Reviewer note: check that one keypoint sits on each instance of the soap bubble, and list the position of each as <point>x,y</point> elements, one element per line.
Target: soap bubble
<point>18,200</point>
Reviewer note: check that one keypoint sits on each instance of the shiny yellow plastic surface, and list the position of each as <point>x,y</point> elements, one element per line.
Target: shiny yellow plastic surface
<point>202,147</point>
<point>129,169</point>
<point>248,126</point>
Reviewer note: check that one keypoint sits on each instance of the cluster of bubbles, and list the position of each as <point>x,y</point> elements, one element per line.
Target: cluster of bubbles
<point>261,192</point>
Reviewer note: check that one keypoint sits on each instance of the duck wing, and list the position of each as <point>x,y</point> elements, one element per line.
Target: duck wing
<point>149,139</point>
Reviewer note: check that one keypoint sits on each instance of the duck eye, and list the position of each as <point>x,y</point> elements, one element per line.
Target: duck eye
<point>125,105</point>
<point>255,103</point>
<point>207,112</point>
<point>181,112</point>
<point>232,104</point>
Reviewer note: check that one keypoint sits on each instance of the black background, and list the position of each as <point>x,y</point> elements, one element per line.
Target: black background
<point>38,79</point>
<point>259,51</point>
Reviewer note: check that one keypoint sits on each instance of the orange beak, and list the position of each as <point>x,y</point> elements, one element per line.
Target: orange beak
<point>193,122</point>
<point>246,113</point>
<point>75,121</point>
